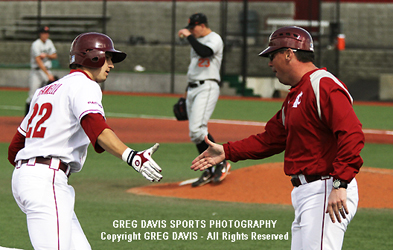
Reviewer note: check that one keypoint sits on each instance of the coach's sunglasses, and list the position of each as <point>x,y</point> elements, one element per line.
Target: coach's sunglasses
<point>273,54</point>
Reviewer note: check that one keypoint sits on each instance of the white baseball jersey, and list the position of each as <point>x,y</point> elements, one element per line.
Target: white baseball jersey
<point>38,47</point>
<point>209,67</point>
<point>52,126</point>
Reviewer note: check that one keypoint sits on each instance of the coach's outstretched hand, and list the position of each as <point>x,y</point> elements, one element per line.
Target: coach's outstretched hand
<point>142,162</point>
<point>213,155</point>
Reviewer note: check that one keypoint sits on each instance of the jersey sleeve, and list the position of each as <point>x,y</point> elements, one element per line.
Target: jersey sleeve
<point>338,114</point>
<point>87,99</point>
<point>52,47</point>
<point>201,49</point>
<point>17,143</point>
<point>35,50</point>
<point>272,141</point>
<point>215,44</point>
<point>93,125</point>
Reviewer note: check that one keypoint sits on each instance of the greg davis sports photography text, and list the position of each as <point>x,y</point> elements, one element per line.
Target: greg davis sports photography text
<point>193,230</point>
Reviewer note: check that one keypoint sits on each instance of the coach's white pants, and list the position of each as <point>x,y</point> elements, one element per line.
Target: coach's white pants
<point>44,195</point>
<point>312,228</point>
<point>200,104</point>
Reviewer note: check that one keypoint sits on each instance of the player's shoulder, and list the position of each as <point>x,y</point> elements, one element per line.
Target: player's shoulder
<point>326,79</point>
<point>322,81</point>
<point>49,41</point>
<point>213,39</point>
<point>36,42</point>
<point>79,81</point>
<point>214,35</point>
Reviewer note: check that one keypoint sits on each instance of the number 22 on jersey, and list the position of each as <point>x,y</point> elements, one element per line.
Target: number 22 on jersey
<point>37,130</point>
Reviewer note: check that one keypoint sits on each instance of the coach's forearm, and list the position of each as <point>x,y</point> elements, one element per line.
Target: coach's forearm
<point>109,141</point>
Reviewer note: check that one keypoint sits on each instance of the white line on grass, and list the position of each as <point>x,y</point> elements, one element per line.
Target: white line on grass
<point>249,123</point>
<point>234,122</point>
<point>7,107</point>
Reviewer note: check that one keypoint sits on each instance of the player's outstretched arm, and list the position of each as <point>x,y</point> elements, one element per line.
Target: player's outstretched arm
<point>141,161</point>
<point>213,155</point>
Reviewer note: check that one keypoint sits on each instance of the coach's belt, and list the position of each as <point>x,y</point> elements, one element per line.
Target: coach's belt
<point>49,162</point>
<point>301,179</point>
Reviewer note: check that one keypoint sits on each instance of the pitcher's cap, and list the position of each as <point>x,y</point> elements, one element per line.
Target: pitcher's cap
<point>196,19</point>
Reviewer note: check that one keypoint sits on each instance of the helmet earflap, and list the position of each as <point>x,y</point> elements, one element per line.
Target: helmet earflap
<point>93,58</point>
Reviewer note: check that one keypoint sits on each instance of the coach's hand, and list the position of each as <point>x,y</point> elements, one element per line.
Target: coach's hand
<point>337,205</point>
<point>213,155</point>
<point>142,162</point>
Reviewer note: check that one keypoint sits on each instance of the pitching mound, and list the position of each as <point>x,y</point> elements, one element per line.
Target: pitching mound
<point>268,184</point>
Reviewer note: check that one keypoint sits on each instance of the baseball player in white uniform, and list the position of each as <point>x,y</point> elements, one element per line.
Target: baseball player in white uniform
<point>42,52</point>
<point>203,88</point>
<point>52,140</point>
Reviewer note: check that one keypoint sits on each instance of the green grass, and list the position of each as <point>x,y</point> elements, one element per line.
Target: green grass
<point>372,116</point>
<point>101,198</point>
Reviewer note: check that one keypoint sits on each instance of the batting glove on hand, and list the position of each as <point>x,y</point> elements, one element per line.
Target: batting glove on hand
<point>142,162</point>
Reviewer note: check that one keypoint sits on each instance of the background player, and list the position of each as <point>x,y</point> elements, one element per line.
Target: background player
<point>52,140</point>
<point>203,88</point>
<point>322,138</point>
<point>42,52</point>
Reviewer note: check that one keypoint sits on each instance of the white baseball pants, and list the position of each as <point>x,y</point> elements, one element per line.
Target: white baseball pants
<point>312,228</point>
<point>44,195</point>
<point>200,103</point>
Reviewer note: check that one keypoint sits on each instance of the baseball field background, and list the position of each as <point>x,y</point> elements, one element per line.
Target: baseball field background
<point>103,203</point>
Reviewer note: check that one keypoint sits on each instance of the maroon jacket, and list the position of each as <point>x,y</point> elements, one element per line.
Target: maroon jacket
<point>316,126</point>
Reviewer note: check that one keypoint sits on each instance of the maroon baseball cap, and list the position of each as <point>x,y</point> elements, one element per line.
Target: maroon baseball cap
<point>196,19</point>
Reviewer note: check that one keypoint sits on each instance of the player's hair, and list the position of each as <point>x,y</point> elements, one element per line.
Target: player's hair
<point>305,56</point>
<point>75,66</point>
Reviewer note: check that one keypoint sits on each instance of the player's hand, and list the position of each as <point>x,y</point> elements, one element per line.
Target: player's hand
<point>337,204</point>
<point>213,155</point>
<point>51,78</point>
<point>183,33</point>
<point>142,162</point>
<point>43,55</point>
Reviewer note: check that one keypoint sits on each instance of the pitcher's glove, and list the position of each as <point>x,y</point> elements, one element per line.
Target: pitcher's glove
<point>142,162</point>
<point>180,109</point>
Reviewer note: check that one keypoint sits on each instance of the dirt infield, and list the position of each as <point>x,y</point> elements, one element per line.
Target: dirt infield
<point>267,184</point>
<point>257,184</point>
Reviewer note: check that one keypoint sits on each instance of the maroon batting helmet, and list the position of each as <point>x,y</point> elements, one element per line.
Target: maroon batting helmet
<point>289,37</point>
<point>88,50</point>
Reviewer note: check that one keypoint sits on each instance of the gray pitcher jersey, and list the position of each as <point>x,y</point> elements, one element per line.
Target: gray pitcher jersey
<point>209,67</point>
